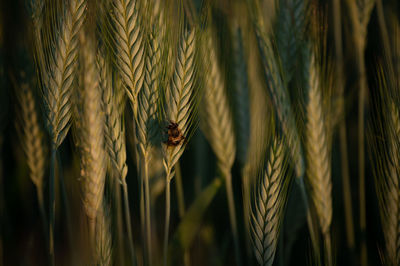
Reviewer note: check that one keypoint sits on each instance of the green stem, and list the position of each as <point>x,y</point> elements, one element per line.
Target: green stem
<point>167,214</point>
<point>119,220</point>
<point>232,214</point>
<point>128,220</point>
<point>40,197</point>
<point>147,201</point>
<point>311,227</point>
<point>52,205</point>
<point>65,201</point>
<point>181,205</point>
<point>140,179</point>
<point>246,210</point>
<point>328,249</point>
<point>348,210</point>
<point>179,190</point>
<point>361,154</point>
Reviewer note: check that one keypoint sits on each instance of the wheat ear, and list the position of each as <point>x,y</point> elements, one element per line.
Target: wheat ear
<point>114,129</point>
<point>32,138</point>
<point>90,134</point>
<point>317,157</point>
<point>129,46</point>
<point>290,28</point>
<point>219,128</point>
<point>179,100</point>
<point>281,100</point>
<point>389,188</point>
<point>269,201</point>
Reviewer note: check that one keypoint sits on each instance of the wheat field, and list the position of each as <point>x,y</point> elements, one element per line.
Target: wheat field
<point>199,132</point>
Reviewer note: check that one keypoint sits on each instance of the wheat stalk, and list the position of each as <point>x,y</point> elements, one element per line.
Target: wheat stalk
<point>317,156</point>
<point>90,134</point>
<point>360,12</point>
<point>147,123</point>
<point>32,138</point>
<point>129,49</point>
<point>57,67</point>
<point>219,127</point>
<point>269,201</point>
<point>179,100</point>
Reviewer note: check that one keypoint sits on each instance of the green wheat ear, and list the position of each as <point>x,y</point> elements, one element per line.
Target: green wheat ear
<point>384,146</point>
<point>270,196</point>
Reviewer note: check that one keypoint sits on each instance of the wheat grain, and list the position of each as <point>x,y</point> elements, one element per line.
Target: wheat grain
<point>269,202</point>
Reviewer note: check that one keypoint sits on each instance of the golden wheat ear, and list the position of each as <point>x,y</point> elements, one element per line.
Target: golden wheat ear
<point>31,133</point>
<point>89,132</point>
<point>318,158</point>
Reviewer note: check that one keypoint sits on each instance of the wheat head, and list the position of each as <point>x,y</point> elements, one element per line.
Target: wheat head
<point>147,123</point>
<point>130,51</point>
<point>114,131</point>
<point>270,193</point>
<point>89,123</point>
<point>31,132</point>
<point>280,97</point>
<point>317,151</point>
<point>179,97</point>
<point>59,75</point>
<point>218,128</point>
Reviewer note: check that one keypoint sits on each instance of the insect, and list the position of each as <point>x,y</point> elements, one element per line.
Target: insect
<point>175,136</point>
